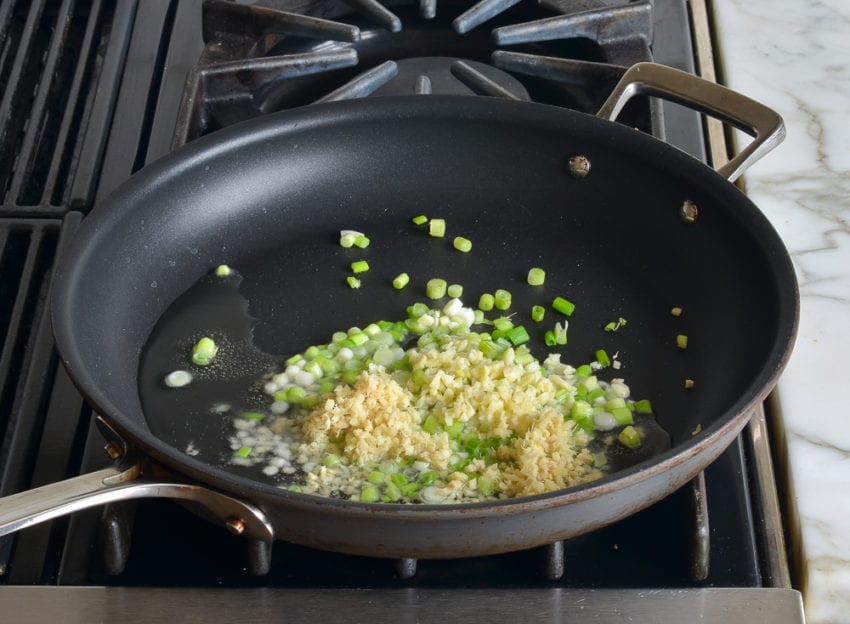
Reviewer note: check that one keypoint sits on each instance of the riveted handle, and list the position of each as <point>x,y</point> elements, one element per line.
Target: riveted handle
<point>47,502</point>
<point>762,123</point>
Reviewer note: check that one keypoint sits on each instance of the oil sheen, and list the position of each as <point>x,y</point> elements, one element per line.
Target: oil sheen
<point>198,418</point>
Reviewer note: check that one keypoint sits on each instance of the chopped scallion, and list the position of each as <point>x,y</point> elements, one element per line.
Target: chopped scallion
<point>420,219</point>
<point>462,244</point>
<point>563,306</point>
<point>584,371</point>
<point>536,276</point>
<point>244,451</point>
<point>455,291</point>
<point>643,406</point>
<point>361,241</point>
<point>370,494</point>
<point>360,266</point>
<point>178,379</point>
<point>549,338</point>
<point>682,341</point>
<point>629,437</point>
<point>353,282</point>
<point>517,335</point>
<point>436,288</point>
<point>602,357</point>
<point>537,313</point>
<point>204,351</point>
<point>486,302</point>
<point>401,280</point>
<point>502,299</point>
<point>615,325</point>
<point>676,311</point>
<point>222,270</point>
<point>689,383</point>
<point>437,228</point>
<point>502,324</point>
<point>560,332</point>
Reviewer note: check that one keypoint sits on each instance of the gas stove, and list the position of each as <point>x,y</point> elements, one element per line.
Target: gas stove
<point>96,89</point>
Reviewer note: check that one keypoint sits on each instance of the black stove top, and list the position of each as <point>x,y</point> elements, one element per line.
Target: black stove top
<point>94,90</point>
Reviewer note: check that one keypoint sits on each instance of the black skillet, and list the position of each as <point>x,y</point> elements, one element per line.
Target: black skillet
<point>269,198</point>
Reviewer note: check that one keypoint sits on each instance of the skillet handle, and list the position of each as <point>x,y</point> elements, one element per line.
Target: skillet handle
<point>757,120</point>
<point>41,504</point>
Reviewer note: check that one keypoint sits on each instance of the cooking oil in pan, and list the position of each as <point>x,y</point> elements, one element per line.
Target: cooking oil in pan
<point>199,418</point>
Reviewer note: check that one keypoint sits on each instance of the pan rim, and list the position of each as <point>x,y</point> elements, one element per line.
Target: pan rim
<point>247,133</point>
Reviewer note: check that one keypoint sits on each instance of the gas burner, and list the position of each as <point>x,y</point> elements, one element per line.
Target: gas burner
<point>285,54</point>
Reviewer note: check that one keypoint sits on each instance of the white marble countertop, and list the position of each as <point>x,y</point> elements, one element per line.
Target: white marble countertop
<point>794,56</point>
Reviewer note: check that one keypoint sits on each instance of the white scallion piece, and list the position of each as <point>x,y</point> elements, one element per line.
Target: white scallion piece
<point>178,379</point>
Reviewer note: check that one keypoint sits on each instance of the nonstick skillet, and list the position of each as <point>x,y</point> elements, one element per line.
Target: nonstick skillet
<point>269,197</point>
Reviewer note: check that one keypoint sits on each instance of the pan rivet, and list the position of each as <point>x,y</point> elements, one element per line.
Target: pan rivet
<point>578,166</point>
<point>235,525</point>
<point>113,450</point>
<point>688,212</point>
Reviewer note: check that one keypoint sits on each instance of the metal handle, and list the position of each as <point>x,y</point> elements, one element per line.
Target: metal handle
<point>41,504</point>
<point>757,120</point>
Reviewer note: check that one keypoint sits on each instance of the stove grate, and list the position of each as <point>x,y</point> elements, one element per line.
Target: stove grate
<point>53,55</point>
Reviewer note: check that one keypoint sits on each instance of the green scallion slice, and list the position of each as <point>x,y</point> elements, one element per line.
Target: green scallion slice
<point>502,324</point>
<point>643,406</point>
<point>563,306</point>
<point>370,494</point>
<point>353,282</point>
<point>486,302</point>
<point>502,299</point>
<point>462,244</point>
<point>437,228</point>
<point>361,241</point>
<point>204,351</point>
<point>536,276</point>
<point>360,266</point>
<point>436,288</point>
<point>244,451</point>
<point>602,357</point>
<point>222,270</point>
<point>629,437</point>
<point>517,335</point>
<point>455,291</point>
<point>401,280</point>
<point>682,341</point>
<point>537,313</point>
<point>420,219</point>
<point>584,371</point>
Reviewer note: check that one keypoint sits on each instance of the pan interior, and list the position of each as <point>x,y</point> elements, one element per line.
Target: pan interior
<point>270,201</point>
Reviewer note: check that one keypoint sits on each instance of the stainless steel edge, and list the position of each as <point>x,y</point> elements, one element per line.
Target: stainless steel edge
<point>84,605</point>
<point>775,550</point>
<point>47,502</point>
<point>752,117</point>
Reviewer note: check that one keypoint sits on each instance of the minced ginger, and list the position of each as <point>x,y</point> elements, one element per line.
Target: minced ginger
<point>381,416</point>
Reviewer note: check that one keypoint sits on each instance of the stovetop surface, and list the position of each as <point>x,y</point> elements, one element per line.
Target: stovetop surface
<point>123,70</point>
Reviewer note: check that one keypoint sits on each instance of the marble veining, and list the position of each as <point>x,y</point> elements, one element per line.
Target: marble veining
<point>794,56</point>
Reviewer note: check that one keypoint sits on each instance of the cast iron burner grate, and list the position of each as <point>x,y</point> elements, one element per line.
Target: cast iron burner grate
<point>259,60</point>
